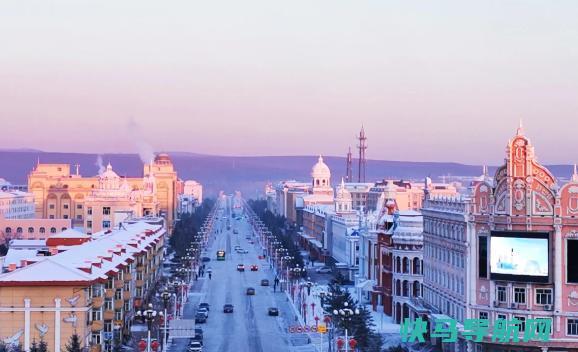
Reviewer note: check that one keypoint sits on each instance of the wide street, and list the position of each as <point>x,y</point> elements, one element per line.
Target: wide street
<point>249,328</point>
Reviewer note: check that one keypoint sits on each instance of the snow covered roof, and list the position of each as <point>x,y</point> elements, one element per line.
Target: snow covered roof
<point>16,256</point>
<point>71,233</point>
<point>106,252</point>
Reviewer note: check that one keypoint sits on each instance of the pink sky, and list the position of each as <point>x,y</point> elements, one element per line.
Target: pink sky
<point>444,81</point>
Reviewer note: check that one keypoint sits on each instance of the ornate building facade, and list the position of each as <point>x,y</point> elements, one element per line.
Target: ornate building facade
<point>59,194</point>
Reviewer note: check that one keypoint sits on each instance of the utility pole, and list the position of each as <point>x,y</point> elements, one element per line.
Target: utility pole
<point>361,147</point>
<point>348,168</point>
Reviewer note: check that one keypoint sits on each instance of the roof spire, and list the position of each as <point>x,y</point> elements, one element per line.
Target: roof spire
<point>520,130</point>
<point>575,174</point>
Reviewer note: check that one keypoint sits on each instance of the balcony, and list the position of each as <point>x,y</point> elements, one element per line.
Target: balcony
<point>118,283</point>
<point>108,315</point>
<point>126,295</point>
<point>127,277</point>
<point>139,268</point>
<point>139,283</point>
<point>97,302</point>
<point>96,325</point>
<point>95,348</point>
<point>118,304</point>
<point>109,293</point>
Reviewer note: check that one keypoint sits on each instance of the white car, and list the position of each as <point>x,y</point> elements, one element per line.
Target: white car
<point>323,270</point>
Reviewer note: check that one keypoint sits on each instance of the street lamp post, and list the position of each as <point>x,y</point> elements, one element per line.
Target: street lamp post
<point>148,316</point>
<point>345,314</point>
<point>166,296</point>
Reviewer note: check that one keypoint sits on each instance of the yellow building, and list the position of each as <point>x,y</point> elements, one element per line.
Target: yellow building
<point>89,289</point>
<point>58,194</point>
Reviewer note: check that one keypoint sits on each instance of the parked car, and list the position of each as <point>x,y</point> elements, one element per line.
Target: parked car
<point>240,267</point>
<point>274,312</point>
<point>200,318</point>
<point>195,346</point>
<point>228,308</point>
<point>254,267</point>
<point>323,270</point>
<point>264,282</point>
<point>205,305</point>
<point>250,291</point>
<point>198,335</point>
<point>244,251</point>
<point>204,311</point>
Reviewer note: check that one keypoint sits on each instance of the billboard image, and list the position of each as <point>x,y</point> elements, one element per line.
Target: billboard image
<point>524,258</point>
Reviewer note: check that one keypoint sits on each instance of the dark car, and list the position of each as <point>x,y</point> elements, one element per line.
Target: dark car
<point>198,334</point>
<point>241,267</point>
<point>264,282</point>
<point>206,259</point>
<point>200,318</point>
<point>274,312</point>
<point>250,291</point>
<point>254,267</point>
<point>204,305</point>
<point>228,308</point>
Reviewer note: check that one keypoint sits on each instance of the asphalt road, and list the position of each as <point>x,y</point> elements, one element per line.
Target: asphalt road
<point>249,328</point>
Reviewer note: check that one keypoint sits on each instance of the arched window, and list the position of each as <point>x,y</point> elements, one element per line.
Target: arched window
<point>19,230</point>
<point>405,265</point>
<point>397,288</point>
<point>397,265</point>
<point>42,230</point>
<point>8,230</point>
<point>416,289</point>
<point>53,230</point>
<point>31,230</point>
<point>405,288</point>
<point>317,182</point>
<point>63,229</point>
<point>416,266</point>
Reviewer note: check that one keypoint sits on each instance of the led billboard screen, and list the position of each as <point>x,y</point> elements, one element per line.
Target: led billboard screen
<point>519,256</point>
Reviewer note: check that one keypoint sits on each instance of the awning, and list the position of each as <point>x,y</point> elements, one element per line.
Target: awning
<point>365,285</point>
<point>316,243</point>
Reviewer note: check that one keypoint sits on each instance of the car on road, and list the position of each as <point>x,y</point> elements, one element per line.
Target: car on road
<point>204,311</point>
<point>195,346</point>
<point>323,270</point>
<point>272,311</point>
<point>200,318</point>
<point>205,305</point>
<point>206,259</point>
<point>248,237</point>
<point>228,308</point>
<point>244,251</point>
<point>250,291</point>
<point>240,267</point>
<point>254,267</point>
<point>235,231</point>
<point>198,335</point>
<point>264,282</point>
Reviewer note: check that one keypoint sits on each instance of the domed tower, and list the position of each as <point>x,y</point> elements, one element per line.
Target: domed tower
<point>321,175</point>
<point>343,199</point>
<point>109,180</point>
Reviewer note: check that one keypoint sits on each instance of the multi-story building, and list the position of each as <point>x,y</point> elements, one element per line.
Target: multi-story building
<point>407,250</point>
<point>91,289</point>
<point>287,194</point>
<point>506,252</point>
<point>114,201</point>
<point>31,229</point>
<point>359,194</point>
<point>16,205</point>
<point>409,195</point>
<point>60,194</point>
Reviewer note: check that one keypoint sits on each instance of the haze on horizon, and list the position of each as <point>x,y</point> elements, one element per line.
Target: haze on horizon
<point>439,81</point>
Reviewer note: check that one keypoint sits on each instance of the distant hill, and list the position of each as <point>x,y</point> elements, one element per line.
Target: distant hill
<point>247,174</point>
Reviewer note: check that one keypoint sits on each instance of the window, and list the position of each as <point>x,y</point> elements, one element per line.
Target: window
<point>78,206</point>
<point>501,317</point>
<point>551,325</point>
<point>65,206</point>
<point>19,230</point>
<point>118,294</point>
<point>42,230</point>
<point>501,294</point>
<point>483,315</point>
<point>8,230</point>
<point>105,210</point>
<point>89,224</point>
<point>51,206</point>
<point>572,328</point>
<point>108,326</point>
<point>106,224</point>
<point>483,258</point>
<point>543,296</point>
<point>53,230</point>
<point>95,338</point>
<point>572,261</point>
<point>96,315</point>
<point>520,295</point>
<point>522,323</point>
<point>51,216</point>
<point>31,230</point>
<point>78,217</point>
<point>108,304</point>
<point>89,211</point>
<point>65,216</point>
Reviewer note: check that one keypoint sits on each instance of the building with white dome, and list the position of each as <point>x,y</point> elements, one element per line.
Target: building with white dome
<point>321,193</point>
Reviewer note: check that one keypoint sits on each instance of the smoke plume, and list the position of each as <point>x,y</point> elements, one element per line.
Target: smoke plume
<point>144,149</point>
<point>100,165</point>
